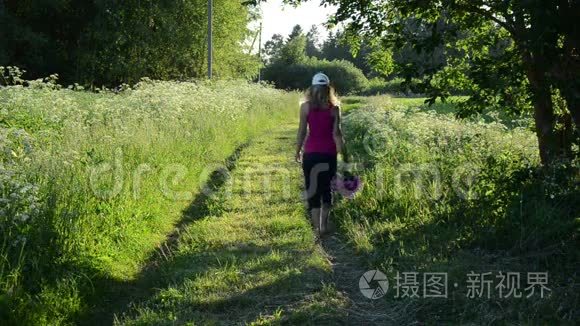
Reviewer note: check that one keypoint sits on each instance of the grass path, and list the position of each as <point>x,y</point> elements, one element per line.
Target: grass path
<point>246,255</point>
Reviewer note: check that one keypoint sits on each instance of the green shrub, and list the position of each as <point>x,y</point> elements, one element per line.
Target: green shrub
<point>345,77</point>
<point>396,86</point>
<point>379,86</point>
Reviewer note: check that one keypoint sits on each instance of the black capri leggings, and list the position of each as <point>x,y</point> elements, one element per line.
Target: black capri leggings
<point>319,169</point>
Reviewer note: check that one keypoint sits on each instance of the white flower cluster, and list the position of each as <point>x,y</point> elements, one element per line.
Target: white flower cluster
<point>51,135</point>
<point>19,198</point>
<point>411,130</point>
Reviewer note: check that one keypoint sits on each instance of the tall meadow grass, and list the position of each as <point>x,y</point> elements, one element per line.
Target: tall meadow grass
<point>444,195</point>
<point>91,182</point>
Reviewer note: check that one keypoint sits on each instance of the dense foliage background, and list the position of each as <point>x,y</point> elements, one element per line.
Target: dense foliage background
<point>112,42</point>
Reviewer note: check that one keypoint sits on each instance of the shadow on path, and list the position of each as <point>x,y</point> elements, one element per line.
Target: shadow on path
<point>255,259</point>
<point>112,297</point>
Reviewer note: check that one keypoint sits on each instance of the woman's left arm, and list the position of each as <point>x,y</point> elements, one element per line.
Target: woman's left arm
<point>338,135</point>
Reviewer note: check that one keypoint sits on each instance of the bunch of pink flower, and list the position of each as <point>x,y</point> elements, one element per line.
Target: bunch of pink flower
<point>346,184</point>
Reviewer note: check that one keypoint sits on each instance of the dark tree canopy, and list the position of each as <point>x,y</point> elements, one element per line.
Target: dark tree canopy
<point>110,42</point>
<point>313,42</point>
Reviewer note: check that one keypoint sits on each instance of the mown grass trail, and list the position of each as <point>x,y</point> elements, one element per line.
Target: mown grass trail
<point>245,254</point>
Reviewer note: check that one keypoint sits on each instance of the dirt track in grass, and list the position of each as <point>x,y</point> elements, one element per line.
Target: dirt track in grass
<point>244,253</point>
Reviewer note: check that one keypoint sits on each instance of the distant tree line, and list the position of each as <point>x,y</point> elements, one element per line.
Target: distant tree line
<point>513,56</point>
<point>374,58</point>
<point>292,60</point>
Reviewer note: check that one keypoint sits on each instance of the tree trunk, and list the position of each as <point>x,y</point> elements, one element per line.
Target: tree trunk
<point>565,72</point>
<point>572,97</point>
<point>570,90</point>
<point>569,83</point>
<point>543,108</point>
<point>568,67</point>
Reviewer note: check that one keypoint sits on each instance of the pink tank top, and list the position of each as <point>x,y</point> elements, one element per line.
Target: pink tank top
<point>320,137</point>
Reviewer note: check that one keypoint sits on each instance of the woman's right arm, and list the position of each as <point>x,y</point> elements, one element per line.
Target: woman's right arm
<point>302,130</point>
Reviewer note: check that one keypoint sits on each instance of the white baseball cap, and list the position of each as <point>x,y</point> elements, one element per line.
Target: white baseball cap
<point>320,79</point>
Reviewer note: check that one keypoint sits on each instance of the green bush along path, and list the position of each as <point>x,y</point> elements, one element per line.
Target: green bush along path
<point>245,253</point>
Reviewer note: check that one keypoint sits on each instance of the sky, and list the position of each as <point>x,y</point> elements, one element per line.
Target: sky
<point>279,19</point>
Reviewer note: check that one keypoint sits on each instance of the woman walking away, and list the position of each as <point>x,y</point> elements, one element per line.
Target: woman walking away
<point>320,114</point>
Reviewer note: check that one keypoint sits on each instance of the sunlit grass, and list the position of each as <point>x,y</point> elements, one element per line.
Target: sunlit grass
<point>251,261</point>
<point>91,183</point>
<point>106,221</point>
<point>447,195</point>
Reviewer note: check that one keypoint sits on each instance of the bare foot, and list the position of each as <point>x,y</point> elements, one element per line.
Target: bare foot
<point>317,235</point>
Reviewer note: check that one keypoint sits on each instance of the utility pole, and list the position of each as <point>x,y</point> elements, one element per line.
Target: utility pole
<point>209,38</point>
<point>260,54</point>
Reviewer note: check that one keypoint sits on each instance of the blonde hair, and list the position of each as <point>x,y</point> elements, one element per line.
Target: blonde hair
<point>321,95</point>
